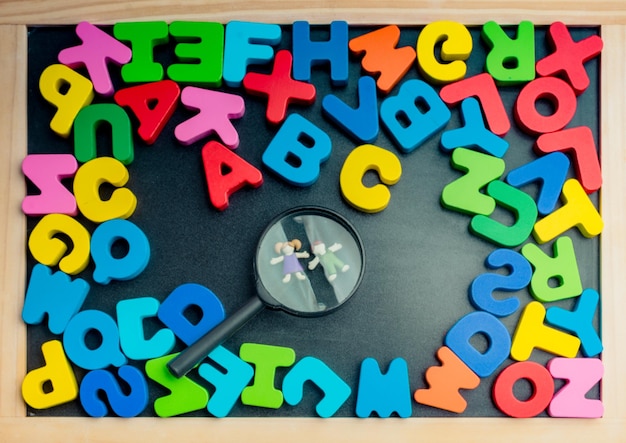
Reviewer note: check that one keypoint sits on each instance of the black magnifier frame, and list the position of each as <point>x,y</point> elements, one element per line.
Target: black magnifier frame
<point>309,262</point>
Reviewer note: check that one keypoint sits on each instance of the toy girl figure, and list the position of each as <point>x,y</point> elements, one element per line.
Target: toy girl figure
<point>290,257</point>
<point>329,261</point>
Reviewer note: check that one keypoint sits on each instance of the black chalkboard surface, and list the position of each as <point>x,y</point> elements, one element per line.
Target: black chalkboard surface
<point>420,257</point>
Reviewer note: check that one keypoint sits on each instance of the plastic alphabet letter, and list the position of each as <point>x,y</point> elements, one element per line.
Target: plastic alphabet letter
<point>456,47</point>
<point>153,104</point>
<point>56,371</point>
<point>463,194</point>
<point>484,89</point>
<point>46,171</point>
<point>143,37</point>
<point>84,354</point>
<point>130,320</point>
<point>473,133</point>
<point>307,53</point>
<point>483,286</point>
<point>87,123</point>
<point>78,95</point>
<point>550,171</point>
<point>581,374</point>
<point>361,123</point>
<point>247,43</point>
<point>49,250</point>
<point>520,204</point>
<point>445,381</point>
<point>578,211</point>
<point>200,48</point>
<point>280,89</point>
<point>542,385</point>
<point>226,173</point>
<point>580,321</point>
<point>217,109</point>
<point>54,294</point>
<point>228,385</point>
<point>173,311</point>
<point>414,115</point>
<point>562,268</point>
<point>336,391</point>
<point>510,60</point>
<point>87,182</point>
<point>531,333</point>
<point>97,50</point>
<point>384,393</point>
<point>109,267</point>
<point>482,363</point>
<point>297,151</point>
<point>552,89</point>
<point>569,57</point>
<point>123,405</point>
<point>382,57</point>
<point>185,394</point>
<point>266,360</point>
<point>580,142</point>
<point>361,160</point>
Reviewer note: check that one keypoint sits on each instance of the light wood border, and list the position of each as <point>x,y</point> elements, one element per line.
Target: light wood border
<point>15,427</point>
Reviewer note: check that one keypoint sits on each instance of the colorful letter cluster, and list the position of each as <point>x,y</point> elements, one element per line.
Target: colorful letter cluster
<point>210,54</point>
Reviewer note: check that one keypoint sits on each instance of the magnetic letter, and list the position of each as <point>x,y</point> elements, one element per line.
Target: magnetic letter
<point>414,115</point>
<point>226,173</point>
<point>228,385</point>
<point>510,60</point>
<point>307,53</point>
<point>266,359</point>
<point>172,311</point>
<point>382,57</point>
<point>97,50</point>
<point>297,151</point>
<point>48,249</point>
<point>384,393</point>
<point>483,286</point>
<point>562,268</point>
<point>336,391</point>
<point>130,319</point>
<point>56,371</point>
<point>90,177</point>
<point>482,363</point>
<point>123,405</point>
<point>581,374</point>
<point>55,295</point>
<point>542,385</point>
<point>78,95</point>
<point>87,123</point>
<point>531,333</point>
<point>143,37</point>
<point>127,267</point>
<point>245,44</point>
<point>445,381</point>
<point>456,47</point>
<point>46,172</point>
<point>361,160</point>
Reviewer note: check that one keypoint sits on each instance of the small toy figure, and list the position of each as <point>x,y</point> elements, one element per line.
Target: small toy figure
<point>290,257</point>
<point>330,262</point>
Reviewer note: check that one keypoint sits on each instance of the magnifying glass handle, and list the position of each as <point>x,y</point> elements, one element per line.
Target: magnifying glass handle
<point>190,357</point>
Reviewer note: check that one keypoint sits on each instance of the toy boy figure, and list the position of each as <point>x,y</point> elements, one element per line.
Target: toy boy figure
<point>329,261</point>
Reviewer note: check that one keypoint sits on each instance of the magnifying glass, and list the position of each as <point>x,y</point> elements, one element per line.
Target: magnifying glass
<point>309,262</point>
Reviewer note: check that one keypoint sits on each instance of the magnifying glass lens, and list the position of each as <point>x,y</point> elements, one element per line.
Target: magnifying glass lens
<point>308,262</point>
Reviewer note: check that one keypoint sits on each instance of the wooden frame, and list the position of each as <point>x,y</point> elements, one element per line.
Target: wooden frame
<point>15,15</point>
